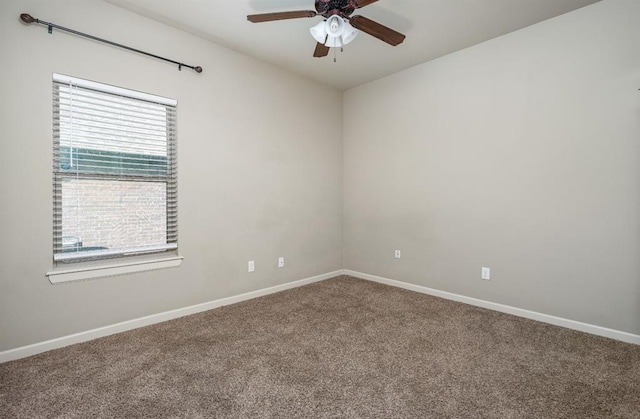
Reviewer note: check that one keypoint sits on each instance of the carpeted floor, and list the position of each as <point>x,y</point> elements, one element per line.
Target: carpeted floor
<point>338,348</point>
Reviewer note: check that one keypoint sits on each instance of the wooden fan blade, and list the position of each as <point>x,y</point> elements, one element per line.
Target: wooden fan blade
<point>321,50</point>
<point>377,30</point>
<point>268,17</point>
<point>361,3</point>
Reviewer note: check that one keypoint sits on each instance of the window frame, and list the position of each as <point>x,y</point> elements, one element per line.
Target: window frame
<point>98,263</point>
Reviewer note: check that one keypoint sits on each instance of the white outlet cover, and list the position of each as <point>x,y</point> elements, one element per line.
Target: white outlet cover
<point>281,262</point>
<point>485,273</point>
<point>251,266</point>
<point>398,254</point>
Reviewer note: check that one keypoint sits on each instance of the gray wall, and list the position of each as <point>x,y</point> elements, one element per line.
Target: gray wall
<point>520,154</point>
<point>256,181</point>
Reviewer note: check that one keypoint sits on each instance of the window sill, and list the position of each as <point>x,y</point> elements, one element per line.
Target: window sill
<point>79,274</point>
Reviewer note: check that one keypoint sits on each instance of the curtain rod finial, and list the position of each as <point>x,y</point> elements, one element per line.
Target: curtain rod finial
<point>27,18</point>
<point>198,69</point>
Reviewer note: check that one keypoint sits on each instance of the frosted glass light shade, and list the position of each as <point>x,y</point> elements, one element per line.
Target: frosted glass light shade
<point>333,42</point>
<point>335,26</point>
<point>349,33</point>
<point>334,32</point>
<point>319,32</point>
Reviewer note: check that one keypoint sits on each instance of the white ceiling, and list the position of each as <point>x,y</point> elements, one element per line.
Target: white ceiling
<point>433,28</point>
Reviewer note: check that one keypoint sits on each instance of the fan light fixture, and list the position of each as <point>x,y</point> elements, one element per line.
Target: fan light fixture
<point>336,29</point>
<point>334,32</point>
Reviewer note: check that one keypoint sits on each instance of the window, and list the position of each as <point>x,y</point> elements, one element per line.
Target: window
<point>114,172</point>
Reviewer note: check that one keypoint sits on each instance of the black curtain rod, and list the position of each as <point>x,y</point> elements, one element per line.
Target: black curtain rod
<point>27,18</point>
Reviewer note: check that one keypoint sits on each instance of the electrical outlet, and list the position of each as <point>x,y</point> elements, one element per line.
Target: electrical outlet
<point>281,262</point>
<point>398,254</point>
<point>251,265</point>
<point>485,273</point>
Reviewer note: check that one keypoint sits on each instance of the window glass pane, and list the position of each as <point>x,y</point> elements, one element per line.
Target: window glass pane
<point>112,214</point>
<point>87,160</point>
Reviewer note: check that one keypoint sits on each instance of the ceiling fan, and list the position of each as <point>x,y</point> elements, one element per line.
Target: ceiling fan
<point>339,27</point>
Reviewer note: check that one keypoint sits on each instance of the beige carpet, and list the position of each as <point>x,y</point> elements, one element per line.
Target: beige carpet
<point>338,348</point>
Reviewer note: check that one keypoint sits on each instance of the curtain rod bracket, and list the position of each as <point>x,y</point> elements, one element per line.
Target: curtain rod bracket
<point>28,19</point>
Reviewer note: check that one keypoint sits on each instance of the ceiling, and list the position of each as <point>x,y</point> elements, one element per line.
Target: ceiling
<point>433,28</point>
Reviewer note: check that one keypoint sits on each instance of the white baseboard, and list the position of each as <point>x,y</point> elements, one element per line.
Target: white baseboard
<point>557,321</point>
<point>48,345</point>
<point>37,348</point>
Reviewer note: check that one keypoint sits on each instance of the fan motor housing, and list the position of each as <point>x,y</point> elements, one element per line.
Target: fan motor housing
<point>328,8</point>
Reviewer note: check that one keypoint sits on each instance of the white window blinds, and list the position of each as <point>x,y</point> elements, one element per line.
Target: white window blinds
<point>114,171</point>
